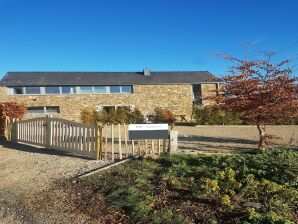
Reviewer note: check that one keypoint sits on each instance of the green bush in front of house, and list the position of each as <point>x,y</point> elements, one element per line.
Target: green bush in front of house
<point>88,116</point>
<point>207,115</point>
<point>121,115</point>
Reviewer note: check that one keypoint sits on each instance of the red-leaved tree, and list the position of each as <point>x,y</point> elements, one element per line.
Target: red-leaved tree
<point>261,91</point>
<point>8,112</point>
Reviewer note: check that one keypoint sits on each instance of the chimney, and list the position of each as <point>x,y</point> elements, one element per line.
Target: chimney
<point>146,72</point>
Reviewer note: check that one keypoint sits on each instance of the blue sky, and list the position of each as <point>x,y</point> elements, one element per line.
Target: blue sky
<point>129,35</point>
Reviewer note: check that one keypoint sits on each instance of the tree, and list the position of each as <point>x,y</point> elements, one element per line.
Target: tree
<point>8,112</point>
<point>261,91</point>
<point>12,110</point>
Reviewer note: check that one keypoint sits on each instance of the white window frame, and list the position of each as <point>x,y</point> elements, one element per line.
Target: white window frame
<point>33,94</point>
<point>11,91</point>
<point>45,110</point>
<point>73,90</point>
<point>43,90</point>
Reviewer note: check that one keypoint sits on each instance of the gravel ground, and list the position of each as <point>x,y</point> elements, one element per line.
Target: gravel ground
<point>27,171</point>
<point>231,139</point>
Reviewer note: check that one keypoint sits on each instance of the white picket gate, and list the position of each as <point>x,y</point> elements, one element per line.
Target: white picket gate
<point>56,133</point>
<point>108,142</point>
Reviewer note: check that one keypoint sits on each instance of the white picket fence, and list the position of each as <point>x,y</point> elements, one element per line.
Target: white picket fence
<point>56,133</point>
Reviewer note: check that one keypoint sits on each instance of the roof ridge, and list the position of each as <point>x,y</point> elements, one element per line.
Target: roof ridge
<point>103,71</point>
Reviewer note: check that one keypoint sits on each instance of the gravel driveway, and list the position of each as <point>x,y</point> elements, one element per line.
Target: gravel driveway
<point>231,139</point>
<point>26,171</point>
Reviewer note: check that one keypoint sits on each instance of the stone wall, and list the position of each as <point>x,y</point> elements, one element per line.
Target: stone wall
<point>177,98</point>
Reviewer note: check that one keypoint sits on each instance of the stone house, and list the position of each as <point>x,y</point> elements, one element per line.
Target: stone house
<point>66,94</point>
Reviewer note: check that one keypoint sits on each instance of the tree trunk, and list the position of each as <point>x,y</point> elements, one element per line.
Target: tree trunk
<point>172,125</point>
<point>262,143</point>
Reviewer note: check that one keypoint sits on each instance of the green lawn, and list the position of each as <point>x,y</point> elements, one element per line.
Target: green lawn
<point>194,189</point>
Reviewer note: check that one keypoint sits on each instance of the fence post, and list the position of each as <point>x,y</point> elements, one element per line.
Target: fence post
<point>48,132</point>
<point>99,141</point>
<point>119,141</point>
<point>125,140</point>
<point>14,131</point>
<point>6,128</point>
<point>112,139</point>
<point>106,142</point>
<point>173,146</point>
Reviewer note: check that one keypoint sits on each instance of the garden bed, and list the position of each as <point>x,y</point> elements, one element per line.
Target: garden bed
<point>251,188</point>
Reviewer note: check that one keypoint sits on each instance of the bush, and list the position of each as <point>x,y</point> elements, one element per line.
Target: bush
<point>208,115</point>
<point>289,121</point>
<point>257,218</point>
<point>136,117</point>
<point>88,116</point>
<point>185,123</point>
<point>121,115</point>
<point>163,116</point>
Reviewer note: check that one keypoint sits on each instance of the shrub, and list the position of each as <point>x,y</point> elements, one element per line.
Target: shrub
<point>163,116</point>
<point>136,117</point>
<point>254,218</point>
<point>122,115</point>
<point>88,116</point>
<point>289,121</point>
<point>209,116</point>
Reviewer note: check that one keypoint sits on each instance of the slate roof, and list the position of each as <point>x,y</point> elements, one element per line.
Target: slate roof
<point>105,78</point>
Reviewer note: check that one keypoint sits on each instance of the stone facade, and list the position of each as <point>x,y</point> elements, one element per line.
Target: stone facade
<point>177,98</point>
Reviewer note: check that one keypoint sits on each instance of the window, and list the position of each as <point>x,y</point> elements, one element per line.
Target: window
<point>18,90</point>
<point>86,89</point>
<point>197,94</point>
<point>52,110</point>
<point>32,90</point>
<point>35,90</point>
<point>68,89</point>
<point>43,110</point>
<point>126,89</point>
<point>35,110</point>
<point>15,90</point>
<point>52,90</point>
<point>100,89</point>
<point>115,89</point>
<point>110,108</point>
